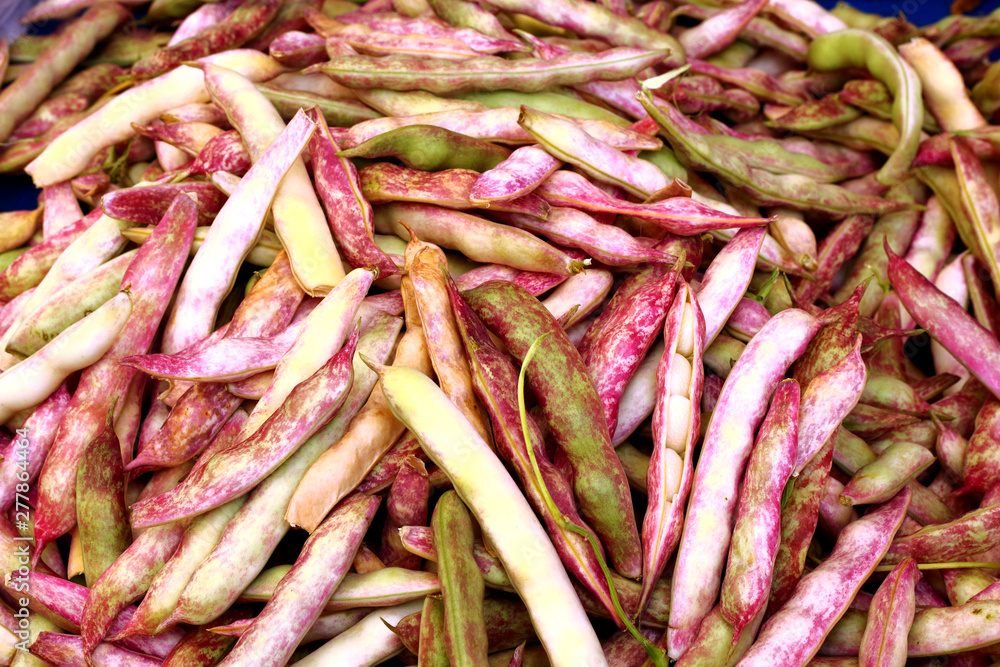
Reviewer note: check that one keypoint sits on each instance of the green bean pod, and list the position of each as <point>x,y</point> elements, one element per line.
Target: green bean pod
<point>461,583</point>
<point>859,48</point>
<point>487,72</point>
<point>570,403</point>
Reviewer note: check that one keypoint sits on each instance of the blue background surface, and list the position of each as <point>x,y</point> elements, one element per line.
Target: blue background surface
<point>17,192</point>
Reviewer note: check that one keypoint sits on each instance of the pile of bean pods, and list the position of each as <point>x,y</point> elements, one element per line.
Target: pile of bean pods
<point>500,332</point>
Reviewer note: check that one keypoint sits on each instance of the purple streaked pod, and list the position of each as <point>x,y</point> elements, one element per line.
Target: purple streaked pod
<point>525,169</point>
<point>449,188</point>
<point>432,27</point>
<point>187,138</point>
<point>623,650</point>
<point>827,400</point>
<point>229,359</point>
<point>795,633</point>
<point>60,208</point>
<point>572,228</point>
<point>757,531</point>
<point>203,410</point>
<point>201,19</point>
<point>890,617</point>
<point>568,142</point>
<point>757,82</point>
<point>233,472</point>
<point>897,466</point>
<point>981,466</point>
<point>963,406</point>
<point>950,449</point>
<point>726,279</point>
<point>370,42</point>
<point>327,626</point>
<point>68,650</point>
<point>37,435</point>
<point>485,273</point>
<point>584,292</point>
<point>984,304</point>
<point>959,539</point>
<point>102,383</point>
<point>500,125</point>
<point>301,595</point>
<point>746,319</point>
<point>298,49</point>
<point>621,336</point>
<point>126,580</point>
<point>477,238</point>
<point>616,94</point>
<point>348,211</point>
<point>728,441</point>
<point>947,322</point>
<point>487,72</point>
<point>834,250</point>
<point>978,206</point>
<point>494,379</point>
<point>229,32</point>
<point>719,30</point>
<point>222,153</point>
<point>48,113</point>
<point>384,472</point>
<point>406,505</point>
<point>235,230</point>
<point>678,215</point>
<point>936,150</point>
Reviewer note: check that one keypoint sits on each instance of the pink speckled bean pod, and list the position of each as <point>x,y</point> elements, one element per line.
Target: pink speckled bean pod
<point>793,635</point>
<point>757,532</point>
<point>622,334</point>
<point>406,505</point>
<point>449,188</point>
<point>889,618</point>
<point>477,238</point>
<point>947,322</point>
<point>827,400</point>
<point>607,244</point>
<point>676,427</point>
<point>726,279</point>
<point>728,441</point>
<point>300,597</point>
<point>959,539</point>
<point>348,211</point>
<point>152,276</point>
<point>197,417</point>
<point>498,125</point>
<point>518,175</point>
<point>679,215</point>
<point>233,472</point>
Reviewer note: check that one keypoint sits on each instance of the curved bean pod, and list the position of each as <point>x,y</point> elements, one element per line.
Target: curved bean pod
<point>859,48</point>
<point>724,453</point>
<point>757,531</point>
<point>795,633</point>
